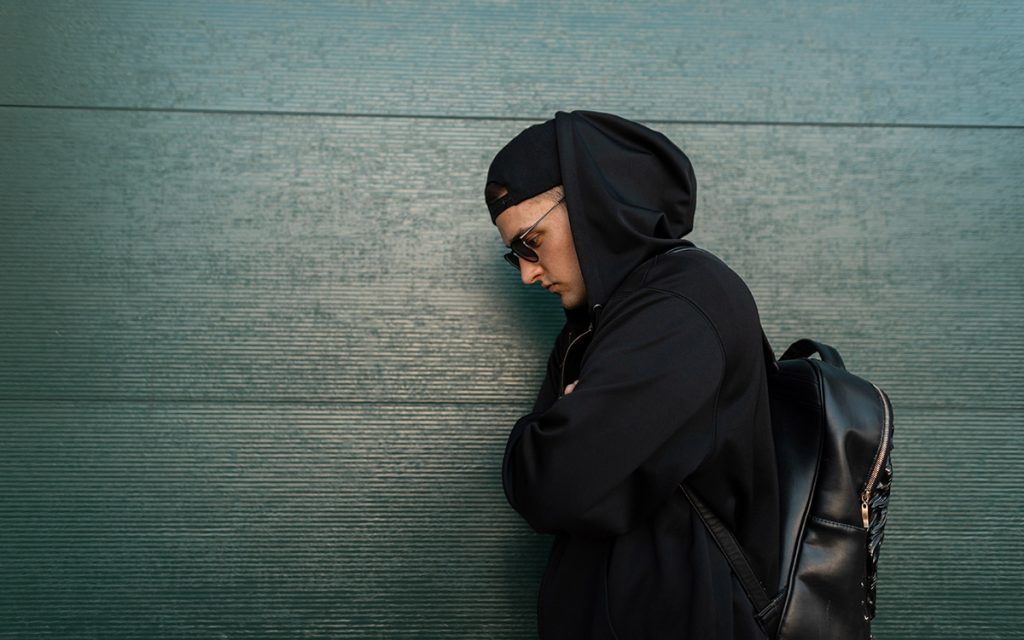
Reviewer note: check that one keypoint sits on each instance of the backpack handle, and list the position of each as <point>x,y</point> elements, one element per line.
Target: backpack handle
<point>805,347</point>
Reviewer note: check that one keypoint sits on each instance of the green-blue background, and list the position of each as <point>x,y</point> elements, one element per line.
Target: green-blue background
<point>259,353</point>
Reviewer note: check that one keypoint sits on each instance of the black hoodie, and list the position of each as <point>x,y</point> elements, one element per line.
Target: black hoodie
<point>672,387</point>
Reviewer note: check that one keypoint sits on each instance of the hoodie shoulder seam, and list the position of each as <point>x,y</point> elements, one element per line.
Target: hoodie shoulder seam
<point>647,271</point>
<point>721,348</point>
<point>700,310</point>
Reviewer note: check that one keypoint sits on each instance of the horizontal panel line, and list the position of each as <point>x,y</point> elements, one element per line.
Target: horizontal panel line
<point>377,402</point>
<point>389,402</point>
<point>414,116</point>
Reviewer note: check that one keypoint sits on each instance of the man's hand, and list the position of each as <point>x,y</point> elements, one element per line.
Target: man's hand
<point>569,387</point>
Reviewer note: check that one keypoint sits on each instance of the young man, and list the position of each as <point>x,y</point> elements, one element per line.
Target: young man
<point>657,377</point>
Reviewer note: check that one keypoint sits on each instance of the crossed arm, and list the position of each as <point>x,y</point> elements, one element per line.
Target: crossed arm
<point>640,418</point>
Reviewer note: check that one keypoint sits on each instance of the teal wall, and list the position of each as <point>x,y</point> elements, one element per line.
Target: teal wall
<point>259,353</point>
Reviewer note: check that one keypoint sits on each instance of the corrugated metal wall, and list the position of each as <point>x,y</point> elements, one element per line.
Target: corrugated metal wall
<point>259,353</point>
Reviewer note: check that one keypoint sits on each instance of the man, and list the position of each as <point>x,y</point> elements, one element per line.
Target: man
<point>657,377</point>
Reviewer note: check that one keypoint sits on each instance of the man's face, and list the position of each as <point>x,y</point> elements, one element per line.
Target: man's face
<point>558,268</point>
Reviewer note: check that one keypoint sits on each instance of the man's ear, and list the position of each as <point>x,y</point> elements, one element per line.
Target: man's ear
<point>493,191</point>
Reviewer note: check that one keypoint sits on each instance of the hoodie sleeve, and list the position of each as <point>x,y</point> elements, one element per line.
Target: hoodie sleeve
<point>641,419</point>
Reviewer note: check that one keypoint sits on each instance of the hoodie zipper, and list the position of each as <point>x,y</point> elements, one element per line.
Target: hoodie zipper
<point>595,311</point>
<point>865,495</point>
<point>565,360</point>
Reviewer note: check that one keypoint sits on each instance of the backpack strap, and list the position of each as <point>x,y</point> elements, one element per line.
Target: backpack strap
<point>769,355</point>
<point>766,608</point>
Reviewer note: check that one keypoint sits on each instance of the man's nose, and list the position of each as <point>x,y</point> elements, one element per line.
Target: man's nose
<point>529,271</point>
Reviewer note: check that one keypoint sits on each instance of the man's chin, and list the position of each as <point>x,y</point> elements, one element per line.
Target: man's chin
<point>572,305</point>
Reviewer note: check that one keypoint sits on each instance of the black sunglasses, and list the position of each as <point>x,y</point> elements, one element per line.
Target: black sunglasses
<point>518,245</point>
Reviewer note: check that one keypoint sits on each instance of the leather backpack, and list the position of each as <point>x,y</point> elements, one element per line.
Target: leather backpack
<point>833,441</point>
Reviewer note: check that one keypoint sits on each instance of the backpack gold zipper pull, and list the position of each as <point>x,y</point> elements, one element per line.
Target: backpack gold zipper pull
<point>865,516</point>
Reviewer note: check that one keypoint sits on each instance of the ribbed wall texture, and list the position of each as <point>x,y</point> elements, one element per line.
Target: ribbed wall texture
<point>259,353</point>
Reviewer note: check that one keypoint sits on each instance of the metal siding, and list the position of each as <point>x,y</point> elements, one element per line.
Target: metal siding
<point>807,61</point>
<point>258,350</point>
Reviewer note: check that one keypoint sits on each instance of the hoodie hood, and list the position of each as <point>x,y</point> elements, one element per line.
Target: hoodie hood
<point>630,193</point>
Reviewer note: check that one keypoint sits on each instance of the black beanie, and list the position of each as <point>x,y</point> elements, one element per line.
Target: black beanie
<point>526,166</point>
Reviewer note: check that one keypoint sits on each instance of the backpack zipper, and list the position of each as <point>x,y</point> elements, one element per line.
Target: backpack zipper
<point>865,495</point>
<point>565,360</point>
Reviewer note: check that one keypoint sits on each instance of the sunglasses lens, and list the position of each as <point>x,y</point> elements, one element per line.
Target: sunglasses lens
<point>523,251</point>
<point>520,251</point>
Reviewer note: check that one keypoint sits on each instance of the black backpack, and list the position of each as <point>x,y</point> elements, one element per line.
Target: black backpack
<point>833,442</point>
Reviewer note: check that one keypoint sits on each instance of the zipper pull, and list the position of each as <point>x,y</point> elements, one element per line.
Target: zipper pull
<point>565,358</point>
<point>864,514</point>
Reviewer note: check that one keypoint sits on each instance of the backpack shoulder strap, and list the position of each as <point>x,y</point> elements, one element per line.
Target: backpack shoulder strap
<point>766,608</point>
<point>771,364</point>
